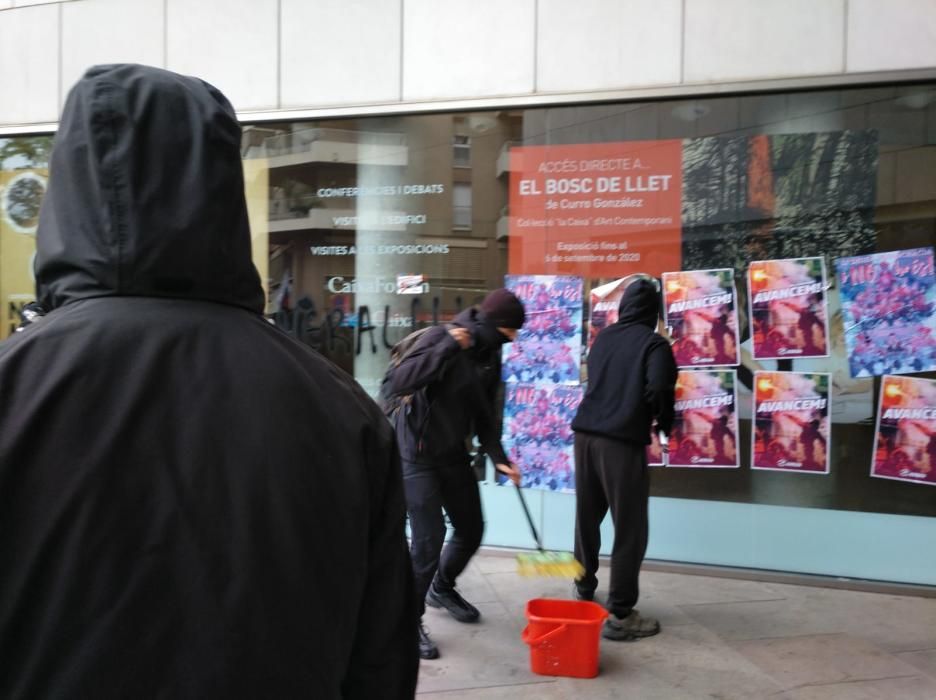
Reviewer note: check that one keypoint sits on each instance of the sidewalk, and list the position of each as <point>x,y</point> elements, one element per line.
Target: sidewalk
<point>721,638</point>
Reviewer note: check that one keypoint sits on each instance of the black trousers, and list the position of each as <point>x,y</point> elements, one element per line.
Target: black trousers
<point>429,490</point>
<point>611,474</point>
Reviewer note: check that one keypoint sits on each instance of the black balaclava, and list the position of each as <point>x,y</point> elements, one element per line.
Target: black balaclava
<point>640,303</point>
<point>500,309</point>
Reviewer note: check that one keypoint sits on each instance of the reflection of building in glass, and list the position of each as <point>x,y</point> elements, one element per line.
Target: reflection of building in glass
<point>352,209</point>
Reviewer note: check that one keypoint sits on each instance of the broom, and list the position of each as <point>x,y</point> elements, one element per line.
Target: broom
<point>542,563</point>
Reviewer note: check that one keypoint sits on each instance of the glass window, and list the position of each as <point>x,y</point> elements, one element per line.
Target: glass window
<point>377,230</point>
<point>461,205</point>
<point>461,151</point>
<point>367,228</point>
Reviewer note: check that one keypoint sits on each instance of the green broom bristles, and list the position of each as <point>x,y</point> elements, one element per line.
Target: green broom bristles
<point>560,564</point>
<point>541,563</point>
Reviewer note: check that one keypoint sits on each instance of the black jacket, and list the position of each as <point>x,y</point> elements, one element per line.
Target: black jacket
<point>453,394</point>
<point>631,373</point>
<point>192,504</point>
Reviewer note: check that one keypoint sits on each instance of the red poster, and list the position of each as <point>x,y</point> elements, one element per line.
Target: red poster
<point>905,440</point>
<point>596,210</point>
<point>702,317</point>
<point>705,427</point>
<point>788,308</point>
<point>791,422</point>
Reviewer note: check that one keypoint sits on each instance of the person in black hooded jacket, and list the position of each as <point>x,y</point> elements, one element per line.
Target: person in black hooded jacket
<point>192,504</point>
<point>453,374</point>
<point>631,384</point>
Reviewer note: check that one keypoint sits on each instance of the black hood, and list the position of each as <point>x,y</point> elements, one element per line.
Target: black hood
<point>146,194</point>
<point>484,334</point>
<point>640,303</point>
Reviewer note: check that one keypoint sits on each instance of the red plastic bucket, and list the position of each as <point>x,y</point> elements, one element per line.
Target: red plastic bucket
<point>564,636</point>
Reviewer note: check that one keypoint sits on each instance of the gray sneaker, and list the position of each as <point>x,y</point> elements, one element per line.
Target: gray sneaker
<point>630,628</point>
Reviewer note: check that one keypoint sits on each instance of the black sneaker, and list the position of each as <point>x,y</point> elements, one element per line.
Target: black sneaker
<point>630,628</point>
<point>458,607</point>
<point>427,648</point>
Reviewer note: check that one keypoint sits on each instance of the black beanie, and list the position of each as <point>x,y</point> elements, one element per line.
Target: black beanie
<point>502,309</point>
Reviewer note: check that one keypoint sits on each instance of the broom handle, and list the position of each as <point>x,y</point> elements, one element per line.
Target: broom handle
<point>526,511</point>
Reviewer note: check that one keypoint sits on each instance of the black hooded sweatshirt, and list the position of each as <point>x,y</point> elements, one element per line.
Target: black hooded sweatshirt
<point>453,394</point>
<point>631,373</point>
<point>192,504</point>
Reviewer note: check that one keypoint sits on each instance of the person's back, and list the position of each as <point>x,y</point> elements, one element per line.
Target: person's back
<point>627,365</point>
<point>192,504</point>
<point>631,382</point>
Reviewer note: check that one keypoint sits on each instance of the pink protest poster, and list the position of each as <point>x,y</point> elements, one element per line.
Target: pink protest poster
<point>889,310</point>
<point>548,348</point>
<point>905,438</point>
<point>705,428</point>
<point>789,317</point>
<point>791,422</point>
<point>701,314</point>
<point>537,433</point>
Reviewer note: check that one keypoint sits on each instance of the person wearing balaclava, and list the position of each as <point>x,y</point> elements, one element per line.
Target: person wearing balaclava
<point>192,503</point>
<point>452,374</point>
<point>631,385</point>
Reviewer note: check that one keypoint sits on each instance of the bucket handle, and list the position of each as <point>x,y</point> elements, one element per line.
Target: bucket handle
<point>555,632</point>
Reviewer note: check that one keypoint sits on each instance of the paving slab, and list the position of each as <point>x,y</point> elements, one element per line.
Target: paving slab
<point>687,659</point>
<point>922,659</point>
<point>822,659</point>
<point>474,585</point>
<point>486,653</point>
<point>891,622</point>
<point>761,619</point>
<point>911,688</point>
<point>682,589</point>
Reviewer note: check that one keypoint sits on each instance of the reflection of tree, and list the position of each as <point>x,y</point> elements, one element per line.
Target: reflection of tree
<point>714,204</point>
<point>825,193</point>
<point>22,200</point>
<point>25,152</point>
<point>822,199</point>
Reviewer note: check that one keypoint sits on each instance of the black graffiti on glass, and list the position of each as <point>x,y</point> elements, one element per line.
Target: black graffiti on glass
<point>302,323</point>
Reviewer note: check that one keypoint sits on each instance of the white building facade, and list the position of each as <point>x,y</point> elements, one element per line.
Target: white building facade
<point>385,142</point>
